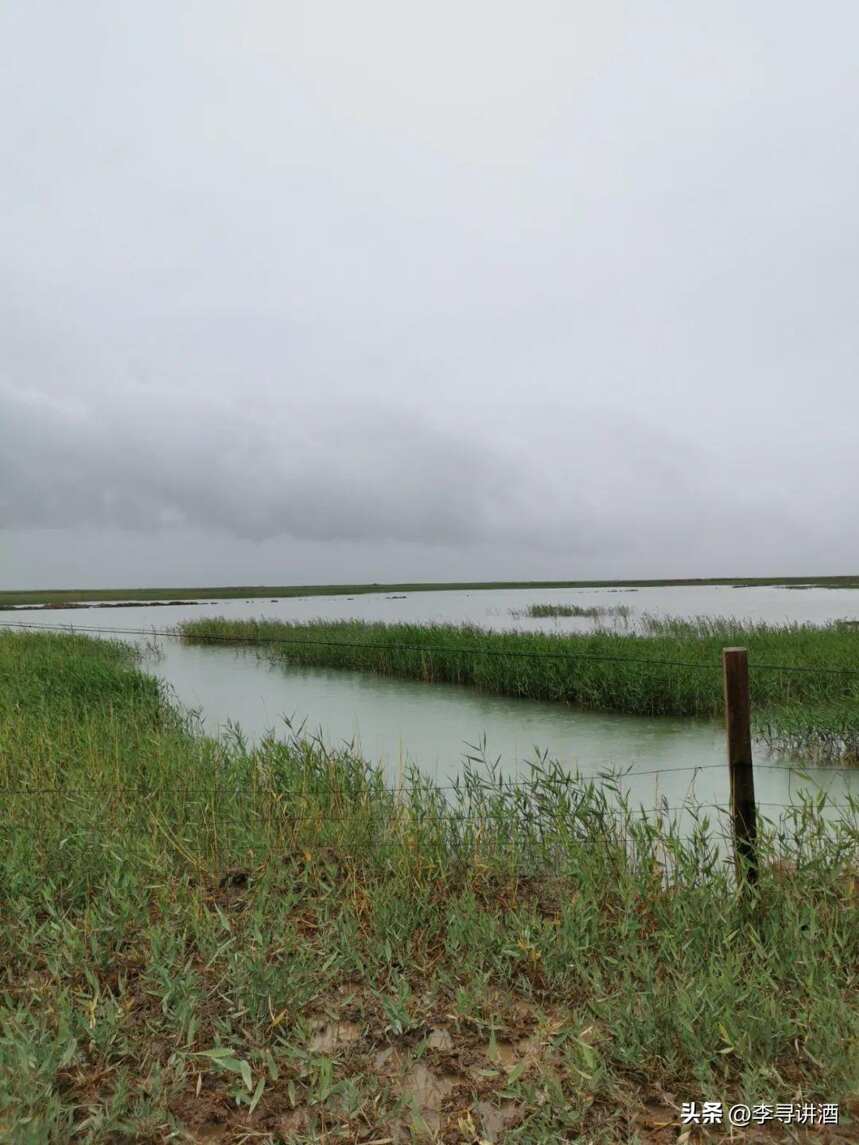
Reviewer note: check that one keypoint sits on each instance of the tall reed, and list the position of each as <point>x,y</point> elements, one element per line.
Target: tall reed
<point>798,672</point>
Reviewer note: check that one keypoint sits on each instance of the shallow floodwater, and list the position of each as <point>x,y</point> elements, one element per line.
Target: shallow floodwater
<point>403,723</point>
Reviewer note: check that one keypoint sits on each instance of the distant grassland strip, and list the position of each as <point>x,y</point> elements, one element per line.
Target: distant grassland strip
<point>61,596</point>
<point>264,943</point>
<point>815,712</point>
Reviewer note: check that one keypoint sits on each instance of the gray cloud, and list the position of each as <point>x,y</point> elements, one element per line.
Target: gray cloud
<point>312,472</point>
<point>564,291</point>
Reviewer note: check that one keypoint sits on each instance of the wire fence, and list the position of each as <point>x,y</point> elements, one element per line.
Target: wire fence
<point>507,786</point>
<point>452,650</point>
<point>420,816</point>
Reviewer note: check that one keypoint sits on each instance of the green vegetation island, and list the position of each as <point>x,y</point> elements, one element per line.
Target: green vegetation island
<point>205,940</point>
<point>69,596</point>
<point>804,678</point>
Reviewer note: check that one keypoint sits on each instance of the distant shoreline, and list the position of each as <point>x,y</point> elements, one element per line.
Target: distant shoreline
<point>92,597</point>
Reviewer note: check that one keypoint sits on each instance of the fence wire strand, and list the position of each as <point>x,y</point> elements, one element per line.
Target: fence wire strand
<point>246,642</point>
<point>505,787</point>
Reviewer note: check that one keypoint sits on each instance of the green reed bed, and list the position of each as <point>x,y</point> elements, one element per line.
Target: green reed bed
<point>211,941</point>
<point>813,711</point>
<point>592,612</point>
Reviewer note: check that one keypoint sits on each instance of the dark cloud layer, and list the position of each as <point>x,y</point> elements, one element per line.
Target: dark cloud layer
<point>471,291</point>
<point>312,472</point>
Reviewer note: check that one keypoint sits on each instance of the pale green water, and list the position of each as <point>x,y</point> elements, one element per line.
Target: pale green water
<point>399,722</point>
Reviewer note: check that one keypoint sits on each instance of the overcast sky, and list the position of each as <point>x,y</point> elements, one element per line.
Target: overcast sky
<point>296,292</point>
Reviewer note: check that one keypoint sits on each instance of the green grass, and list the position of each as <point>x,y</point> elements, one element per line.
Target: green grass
<point>812,713</point>
<point>592,612</point>
<point>66,596</point>
<point>206,940</point>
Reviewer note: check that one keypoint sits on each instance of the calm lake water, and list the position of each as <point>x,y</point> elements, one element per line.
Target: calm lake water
<point>433,727</point>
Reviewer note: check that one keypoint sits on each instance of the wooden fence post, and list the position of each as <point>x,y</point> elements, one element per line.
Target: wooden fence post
<point>735,665</point>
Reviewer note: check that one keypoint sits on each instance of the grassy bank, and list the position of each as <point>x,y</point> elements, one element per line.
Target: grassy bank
<point>201,941</point>
<point>61,596</point>
<point>814,712</point>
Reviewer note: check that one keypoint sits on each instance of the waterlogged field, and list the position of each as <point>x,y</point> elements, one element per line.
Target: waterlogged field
<point>204,940</point>
<point>804,678</point>
<point>12,598</point>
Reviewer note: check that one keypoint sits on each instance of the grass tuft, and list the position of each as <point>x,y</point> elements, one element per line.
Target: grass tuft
<point>592,612</point>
